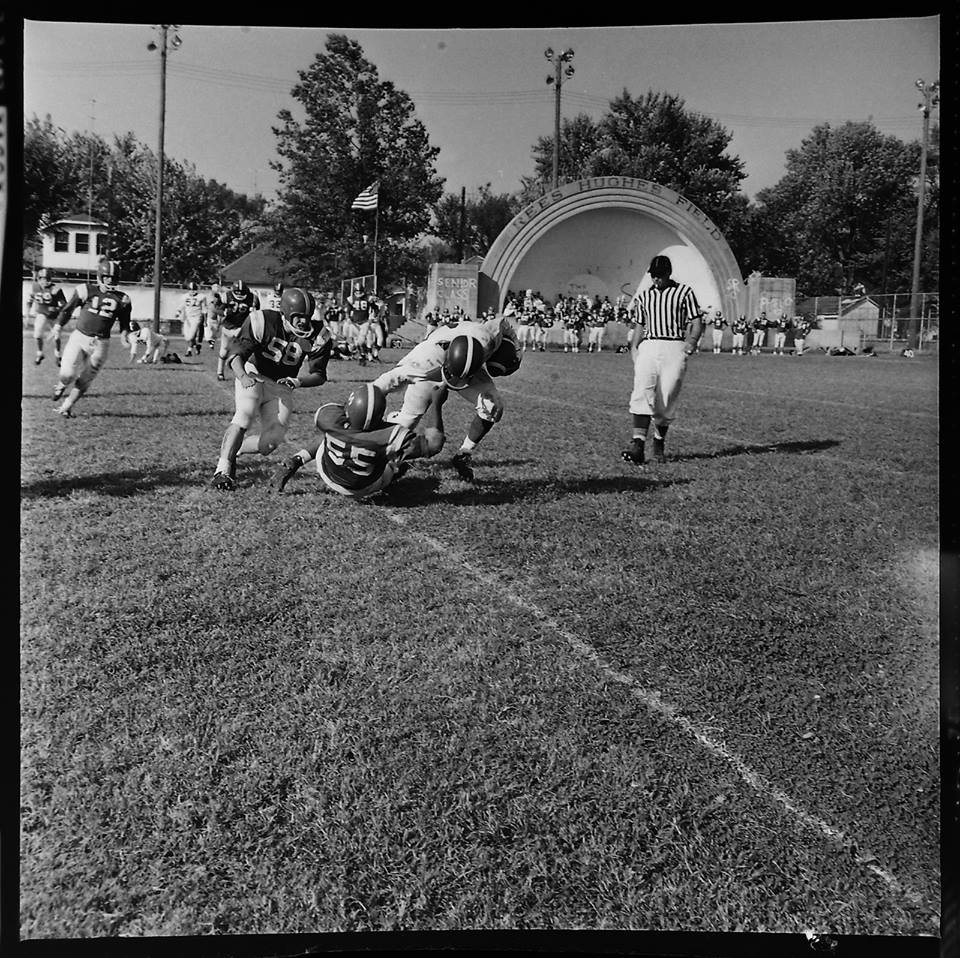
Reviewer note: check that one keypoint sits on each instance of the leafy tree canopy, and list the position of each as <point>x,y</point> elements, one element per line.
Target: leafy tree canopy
<point>352,129</point>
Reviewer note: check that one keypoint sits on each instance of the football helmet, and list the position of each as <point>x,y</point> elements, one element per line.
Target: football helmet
<point>134,326</point>
<point>43,274</point>
<point>365,407</point>
<point>278,288</point>
<point>108,274</point>
<point>192,287</point>
<point>505,360</point>
<point>297,306</point>
<point>464,358</point>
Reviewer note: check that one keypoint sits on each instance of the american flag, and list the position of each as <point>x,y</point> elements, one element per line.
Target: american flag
<point>368,199</point>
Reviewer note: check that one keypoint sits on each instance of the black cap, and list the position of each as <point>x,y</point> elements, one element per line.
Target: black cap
<point>660,267</point>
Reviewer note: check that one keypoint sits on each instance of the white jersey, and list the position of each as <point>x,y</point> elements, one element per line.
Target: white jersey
<point>146,335</point>
<point>425,360</point>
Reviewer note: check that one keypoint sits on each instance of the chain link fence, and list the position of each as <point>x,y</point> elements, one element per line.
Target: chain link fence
<point>880,320</point>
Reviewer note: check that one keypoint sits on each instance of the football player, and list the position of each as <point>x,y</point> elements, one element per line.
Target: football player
<point>44,304</point>
<point>240,301</point>
<point>214,304</point>
<point>717,322</point>
<point>273,354</point>
<point>780,336</point>
<point>544,322</point>
<point>464,357</point>
<point>273,298</point>
<point>759,326</point>
<point>154,344</point>
<point>358,453</point>
<point>192,312</point>
<point>525,321</point>
<point>359,305</point>
<point>740,329</point>
<point>86,351</point>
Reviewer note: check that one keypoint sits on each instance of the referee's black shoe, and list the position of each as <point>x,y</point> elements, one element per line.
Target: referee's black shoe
<point>635,453</point>
<point>658,454</point>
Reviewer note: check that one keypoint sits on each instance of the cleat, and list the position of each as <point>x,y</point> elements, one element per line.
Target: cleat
<point>222,481</point>
<point>402,469</point>
<point>634,454</point>
<point>58,392</point>
<point>221,377</point>
<point>38,360</point>
<point>658,453</point>
<point>285,472</point>
<point>189,352</point>
<point>211,343</point>
<point>66,413</point>
<point>461,462</point>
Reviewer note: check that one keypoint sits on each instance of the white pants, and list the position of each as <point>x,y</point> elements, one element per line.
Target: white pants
<point>523,333</point>
<point>190,326</point>
<point>482,394</point>
<point>658,369</point>
<point>272,403</point>
<point>595,336</point>
<point>738,340</point>
<point>779,341</point>
<point>717,339</point>
<point>83,357</point>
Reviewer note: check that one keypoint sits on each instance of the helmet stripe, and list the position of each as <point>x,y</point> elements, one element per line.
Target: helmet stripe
<point>371,402</point>
<point>469,363</point>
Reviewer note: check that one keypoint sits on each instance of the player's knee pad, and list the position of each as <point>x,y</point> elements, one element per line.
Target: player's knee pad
<point>489,409</point>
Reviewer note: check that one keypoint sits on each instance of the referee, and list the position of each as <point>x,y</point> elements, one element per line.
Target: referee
<point>667,331</point>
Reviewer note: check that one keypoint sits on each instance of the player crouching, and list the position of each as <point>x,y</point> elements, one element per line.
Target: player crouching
<point>358,453</point>
<point>273,354</point>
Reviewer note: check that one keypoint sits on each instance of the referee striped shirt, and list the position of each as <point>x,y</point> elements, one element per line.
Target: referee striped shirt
<point>666,312</point>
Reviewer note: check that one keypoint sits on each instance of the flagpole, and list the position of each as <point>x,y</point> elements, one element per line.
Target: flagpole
<point>376,229</point>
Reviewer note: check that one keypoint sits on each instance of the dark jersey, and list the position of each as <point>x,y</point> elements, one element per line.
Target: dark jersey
<point>47,299</point>
<point>359,309</point>
<point>354,460</point>
<point>718,322</point>
<point>237,309</point>
<point>760,323</point>
<point>783,324</point>
<point>100,308</point>
<point>276,351</point>
<point>740,326</point>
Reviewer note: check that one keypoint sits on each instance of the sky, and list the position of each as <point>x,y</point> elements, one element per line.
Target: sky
<point>482,93</point>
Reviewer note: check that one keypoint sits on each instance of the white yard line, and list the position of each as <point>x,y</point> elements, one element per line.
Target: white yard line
<point>877,467</point>
<point>655,703</point>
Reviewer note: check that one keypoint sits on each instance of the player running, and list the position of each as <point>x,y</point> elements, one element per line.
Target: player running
<point>86,351</point>
<point>273,354</point>
<point>358,453</point>
<point>240,301</point>
<point>44,304</point>
<point>192,313</point>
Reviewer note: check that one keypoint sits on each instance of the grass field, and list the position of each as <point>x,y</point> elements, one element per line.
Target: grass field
<point>575,695</point>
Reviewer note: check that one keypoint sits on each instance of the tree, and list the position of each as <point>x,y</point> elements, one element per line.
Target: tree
<point>484,217</point>
<point>654,138</point>
<point>356,130</point>
<point>845,197</point>
<point>203,221</point>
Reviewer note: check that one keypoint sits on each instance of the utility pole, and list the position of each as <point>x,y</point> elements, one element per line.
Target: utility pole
<point>558,61</point>
<point>91,251</point>
<point>175,42</point>
<point>463,217</point>
<point>931,98</point>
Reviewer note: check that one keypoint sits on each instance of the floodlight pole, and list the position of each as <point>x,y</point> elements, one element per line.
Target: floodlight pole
<point>159,202</point>
<point>558,61</point>
<point>930,98</point>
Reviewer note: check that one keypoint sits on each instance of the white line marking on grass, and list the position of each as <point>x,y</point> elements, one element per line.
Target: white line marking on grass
<point>652,699</point>
<point>712,433</point>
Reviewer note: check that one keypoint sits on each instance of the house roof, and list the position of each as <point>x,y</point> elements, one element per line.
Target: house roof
<point>75,219</point>
<point>261,266</point>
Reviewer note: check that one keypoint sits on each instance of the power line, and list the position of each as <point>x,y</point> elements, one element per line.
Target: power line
<point>439,98</point>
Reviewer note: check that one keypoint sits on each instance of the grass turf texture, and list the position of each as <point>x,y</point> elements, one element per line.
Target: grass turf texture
<point>253,713</point>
